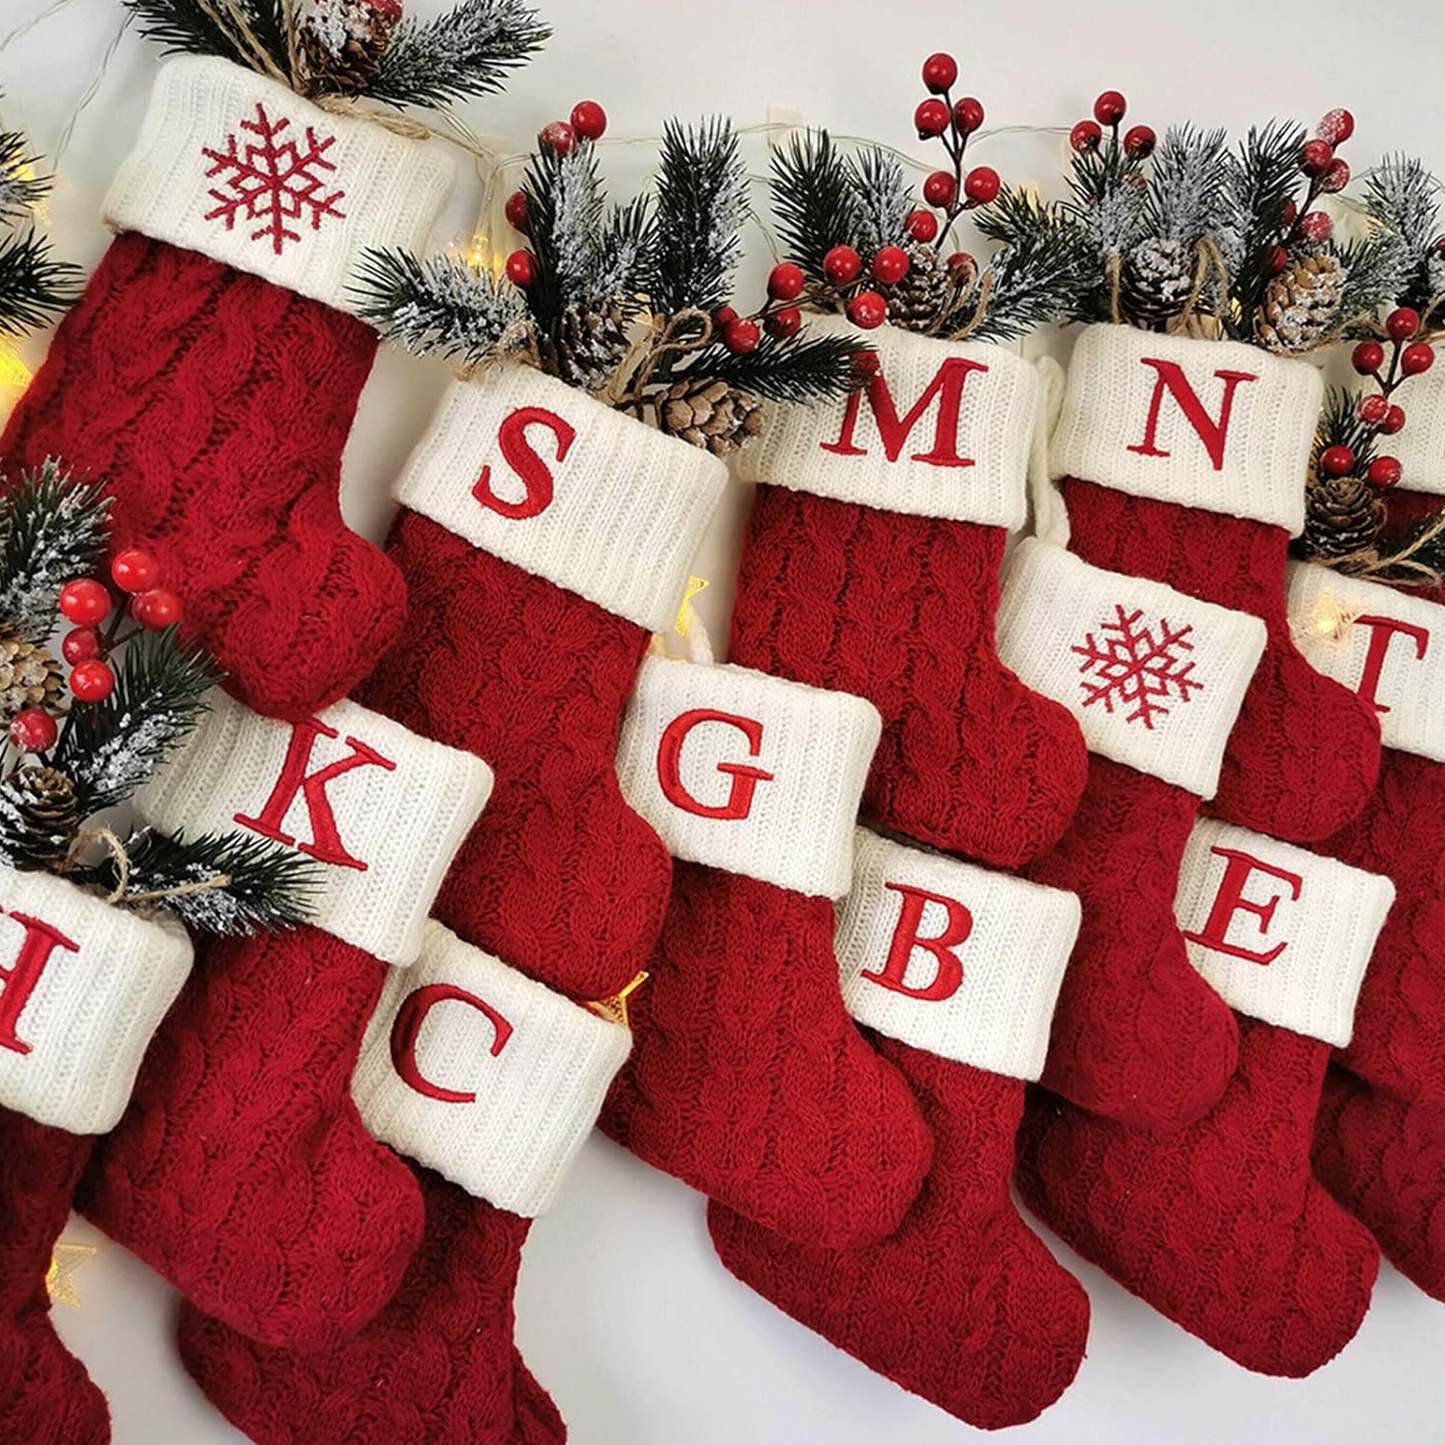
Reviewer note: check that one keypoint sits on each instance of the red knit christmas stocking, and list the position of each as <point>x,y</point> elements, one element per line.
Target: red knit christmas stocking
<point>1220,1225</point>
<point>1380,1141</point>
<point>955,970</point>
<point>241,1171</point>
<point>1155,678</point>
<point>1193,453</point>
<point>871,566</point>
<point>748,1080</point>
<point>82,987</point>
<point>210,373</point>
<point>491,1083</point>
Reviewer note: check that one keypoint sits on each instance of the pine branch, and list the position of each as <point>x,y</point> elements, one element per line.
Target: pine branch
<point>1402,196</point>
<point>182,27</point>
<point>884,200</point>
<point>436,307</point>
<point>1040,280</point>
<point>53,527</point>
<point>815,204</point>
<point>1377,272</point>
<point>1340,426</point>
<point>109,748</point>
<point>471,50</point>
<point>796,369</point>
<point>702,200</point>
<point>19,192</point>
<point>1187,185</point>
<point>34,286</point>
<point>1109,197</point>
<point>624,264</point>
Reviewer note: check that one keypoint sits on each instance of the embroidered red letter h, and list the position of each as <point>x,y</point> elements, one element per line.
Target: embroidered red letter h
<point>18,979</point>
<point>1171,378</point>
<point>948,976</point>
<point>1231,900</point>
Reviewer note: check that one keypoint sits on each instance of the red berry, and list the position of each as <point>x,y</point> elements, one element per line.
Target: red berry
<point>940,189</point>
<point>558,137</point>
<point>741,336</point>
<point>930,119</point>
<point>80,644</point>
<point>1368,357</point>
<point>922,225</point>
<point>981,185</point>
<point>1336,178</point>
<point>787,321</point>
<point>1109,108</point>
<point>939,72</point>
<point>521,268</point>
<point>890,265</point>
<point>1316,156</point>
<point>1288,215</point>
<point>1402,323</point>
<point>1086,136</point>
<point>589,120</point>
<point>92,681</point>
<point>723,315</point>
<point>33,730</point>
<point>84,601</point>
<point>517,217</point>
<point>1336,127</point>
<point>134,570</point>
<point>1336,461</point>
<point>785,281</point>
<point>1384,472</point>
<point>1418,356</point>
<point>1276,259</point>
<point>1316,226</point>
<point>1394,420</point>
<point>967,115</point>
<point>868,310</point>
<point>961,261</point>
<point>156,609</point>
<point>1139,142</point>
<point>1372,409</point>
<point>842,265</point>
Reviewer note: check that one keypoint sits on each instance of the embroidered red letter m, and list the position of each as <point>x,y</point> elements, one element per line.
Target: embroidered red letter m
<point>19,977</point>
<point>325,843</point>
<point>946,388</point>
<point>1214,434</point>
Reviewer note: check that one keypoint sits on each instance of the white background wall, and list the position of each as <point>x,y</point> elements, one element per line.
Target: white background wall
<point>625,1315</point>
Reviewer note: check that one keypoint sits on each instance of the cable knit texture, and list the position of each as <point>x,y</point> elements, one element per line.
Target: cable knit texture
<point>559,876</point>
<point>241,1171</point>
<point>1305,752</point>
<point>46,1398</point>
<point>963,1304</point>
<point>900,610</point>
<point>437,1368</point>
<point>216,406</point>
<point>1220,1226</point>
<point>748,1080</point>
<point>1138,1036</point>
<point>1384,1160</point>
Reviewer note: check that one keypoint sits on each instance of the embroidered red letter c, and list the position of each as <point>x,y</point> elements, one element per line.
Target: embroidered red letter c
<point>745,778</point>
<point>406,1030</point>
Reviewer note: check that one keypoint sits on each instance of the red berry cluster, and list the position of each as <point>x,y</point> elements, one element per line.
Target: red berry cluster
<point>1410,355</point>
<point>778,315</point>
<point>952,122</point>
<point>1326,173</point>
<point>1110,107</point>
<point>588,122</point>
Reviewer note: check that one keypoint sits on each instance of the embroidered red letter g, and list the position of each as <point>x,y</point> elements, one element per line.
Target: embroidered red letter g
<point>745,778</point>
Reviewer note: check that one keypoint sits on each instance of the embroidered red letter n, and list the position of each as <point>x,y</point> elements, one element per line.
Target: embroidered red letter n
<point>1214,434</point>
<point>1231,900</point>
<point>18,978</point>
<point>406,1031</point>
<point>894,431</point>
<point>745,777</point>
<point>534,473</point>
<point>326,843</point>
<point>948,971</point>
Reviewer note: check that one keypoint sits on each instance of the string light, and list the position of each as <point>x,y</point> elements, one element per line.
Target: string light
<point>1328,621</point>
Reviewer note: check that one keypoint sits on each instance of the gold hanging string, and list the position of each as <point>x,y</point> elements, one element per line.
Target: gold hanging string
<point>288,24</point>
<point>518,344</point>
<point>1207,258</point>
<point>1115,272</point>
<point>985,290</point>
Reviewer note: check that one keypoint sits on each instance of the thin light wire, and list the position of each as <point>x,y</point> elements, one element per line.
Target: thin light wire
<point>27,25</point>
<point>62,141</point>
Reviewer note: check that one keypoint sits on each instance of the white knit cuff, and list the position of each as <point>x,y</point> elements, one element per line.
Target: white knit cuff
<point>380,810</point>
<point>1212,424</point>
<point>748,773</point>
<point>952,958</point>
<point>555,482</point>
<point>83,987</point>
<point>1280,933</point>
<point>1420,447</point>
<point>1384,645</point>
<point>478,1072</point>
<point>1155,678</point>
<point>943,429</point>
<point>243,170</point>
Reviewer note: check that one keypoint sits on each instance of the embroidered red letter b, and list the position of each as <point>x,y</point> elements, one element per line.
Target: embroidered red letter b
<point>326,841</point>
<point>534,473</point>
<point>406,1031</point>
<point>1231,900</point>
<point>948,975</point>
<point>1382,633</point>
<point>18,979</point>
<point>1171,378</point>
<point>946,386</point>
<point>745,778</point>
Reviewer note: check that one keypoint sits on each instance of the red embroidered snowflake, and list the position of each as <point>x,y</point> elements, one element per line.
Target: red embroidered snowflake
<point>1136,668</point>
<point>272,181</point>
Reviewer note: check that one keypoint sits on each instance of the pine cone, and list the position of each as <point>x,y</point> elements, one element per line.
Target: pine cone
<point>709,414</point>
<point>1301,303</point>
<point>922,297</point>
<point>29,677</point>
<point>41,816</point>
<point>1155,282</point>
<point>589,346</point>
<point>340,43</point>
<point>1342,515</point>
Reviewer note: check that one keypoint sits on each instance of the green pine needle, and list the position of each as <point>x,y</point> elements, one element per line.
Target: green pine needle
<point>702,201</point>
<point>796,369</point>
<point>1340,426</point>
<point>815,201</point>
<point>34,286</point>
